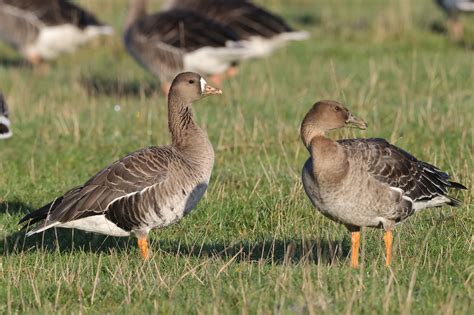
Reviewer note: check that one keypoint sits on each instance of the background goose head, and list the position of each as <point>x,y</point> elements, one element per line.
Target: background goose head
<point>190,87</point>
<point>327,115</point>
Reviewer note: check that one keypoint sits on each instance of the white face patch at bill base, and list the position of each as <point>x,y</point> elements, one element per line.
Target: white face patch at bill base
<point>203,85</point>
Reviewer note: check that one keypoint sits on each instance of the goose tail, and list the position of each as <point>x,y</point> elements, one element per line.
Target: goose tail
<point>5,130</point>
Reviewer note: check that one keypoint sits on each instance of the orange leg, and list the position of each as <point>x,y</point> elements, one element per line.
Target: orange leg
<point>34,59</point>
<point>217,79</point>
<point>143,246</point>
<point>355,239</point>
<point>388,239</point>
<point>232,72</point>
<point>455,29</point>
<point>165,87</point>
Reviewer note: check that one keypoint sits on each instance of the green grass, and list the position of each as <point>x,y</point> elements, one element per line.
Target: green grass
<point>254,244</point>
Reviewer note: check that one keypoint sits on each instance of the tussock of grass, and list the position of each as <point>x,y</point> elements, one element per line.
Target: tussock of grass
<point>254,244</point>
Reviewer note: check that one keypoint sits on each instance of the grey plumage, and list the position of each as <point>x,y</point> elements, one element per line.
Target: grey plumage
<point>152,187</point>
<point>262,30</point>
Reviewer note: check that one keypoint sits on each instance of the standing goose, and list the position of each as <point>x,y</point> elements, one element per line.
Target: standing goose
<point>5,131</point>
<point>262,30</point>
<point>366,182</point>
<point>152,187</point>
<point>43,29</point>
<point>453,8</point>
<point>169,42</point>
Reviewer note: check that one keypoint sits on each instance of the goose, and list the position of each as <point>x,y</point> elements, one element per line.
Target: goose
<point>150,188</point>
<point>366,182</point>
<point>5,131</point>
<point>262,30</point>
<point>168,42</point>
<point>453,8</point>
<point>42,29</point>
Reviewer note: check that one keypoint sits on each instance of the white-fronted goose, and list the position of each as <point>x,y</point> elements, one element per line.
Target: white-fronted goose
<point>262,30</point>
<point>5,130</point>
<point>43,29</point>
<point>453,8</point>
<point>152,187</point>
<point>169,42</point>
<point>366,182</point>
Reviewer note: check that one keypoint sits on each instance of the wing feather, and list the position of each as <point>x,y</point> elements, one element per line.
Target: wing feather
<point>128,176</point>
<point>397,168</point>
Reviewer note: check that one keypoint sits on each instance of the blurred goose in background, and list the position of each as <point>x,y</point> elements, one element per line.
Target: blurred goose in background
<point>169,42</point>
<point>453,8</point>
<point>366,182</point>
<point>152,187</point>
<point>5,130</point>
<point>43,29</point>
<point>262,30</point>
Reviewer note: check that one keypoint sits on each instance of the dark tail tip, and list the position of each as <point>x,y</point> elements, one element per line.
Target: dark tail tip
<point>453,202</point>
<point>457,185</point>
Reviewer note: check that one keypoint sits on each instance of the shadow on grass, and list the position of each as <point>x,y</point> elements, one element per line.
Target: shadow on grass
<point>96,85</point>
<point>63,240</point>
<point>14,63</point>
<point>274,251</point>
<point>14,207</point>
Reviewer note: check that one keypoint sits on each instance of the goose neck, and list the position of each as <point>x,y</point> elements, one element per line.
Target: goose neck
<point>184,131</point>
<point>136,10</point>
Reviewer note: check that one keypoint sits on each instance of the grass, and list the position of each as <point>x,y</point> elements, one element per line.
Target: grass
<point>254,244</point>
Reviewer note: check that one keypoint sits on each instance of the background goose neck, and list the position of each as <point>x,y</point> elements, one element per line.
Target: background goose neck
<point>136,10</point>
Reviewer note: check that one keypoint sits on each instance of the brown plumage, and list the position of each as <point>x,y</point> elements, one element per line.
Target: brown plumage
<point>366,182</point>
<point>152,187</point>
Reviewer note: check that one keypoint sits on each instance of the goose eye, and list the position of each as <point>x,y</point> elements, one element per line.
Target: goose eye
<point>337,108</point>
<point>191,81</point>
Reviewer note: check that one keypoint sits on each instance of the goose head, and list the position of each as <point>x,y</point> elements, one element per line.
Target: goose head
<point>327,115</point>
<point>190,87</point>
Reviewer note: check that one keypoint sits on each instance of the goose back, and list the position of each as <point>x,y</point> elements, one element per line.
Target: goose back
<point>243,17</point>
<point>382,184</point>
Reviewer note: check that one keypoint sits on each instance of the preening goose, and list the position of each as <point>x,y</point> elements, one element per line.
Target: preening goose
<point>169,42</point>
<point>262,30</point>
<point>366,182</point>
<point>152,187</point>
<point>43,29</point>
<point>5,130</point>
<point>453,8</point>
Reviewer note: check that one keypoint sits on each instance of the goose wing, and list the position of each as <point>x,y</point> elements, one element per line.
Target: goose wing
<point>56,12</point>
<point>125,178</point>
<point>18,26</point>
<point>243,17</point>
<point>420,181</point>
<point>160,41</point>
<point>183,29</point>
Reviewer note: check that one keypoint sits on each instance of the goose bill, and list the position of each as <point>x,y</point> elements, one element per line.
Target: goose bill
<point>356,122</point>
<point>210,90</point>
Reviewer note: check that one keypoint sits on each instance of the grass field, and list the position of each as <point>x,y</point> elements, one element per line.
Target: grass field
<point>254,244</point>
